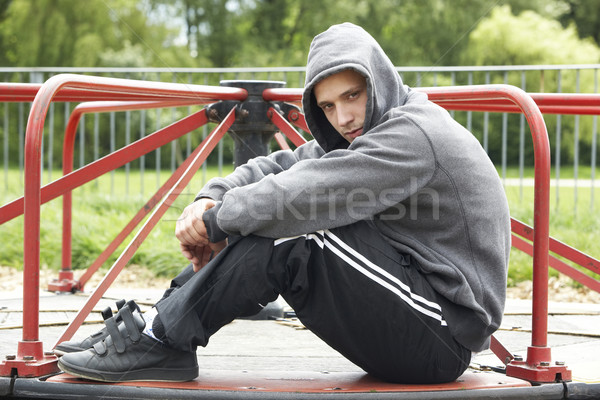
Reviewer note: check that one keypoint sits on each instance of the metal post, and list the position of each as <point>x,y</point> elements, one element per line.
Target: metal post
<point>252,130</point>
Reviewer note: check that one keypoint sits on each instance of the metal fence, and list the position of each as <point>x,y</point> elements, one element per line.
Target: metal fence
<point>504,136</point>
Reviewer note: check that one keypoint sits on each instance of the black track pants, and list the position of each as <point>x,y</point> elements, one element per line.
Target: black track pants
<point>347,285</point>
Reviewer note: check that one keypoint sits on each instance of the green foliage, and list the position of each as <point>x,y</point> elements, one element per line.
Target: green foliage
<point>69,33</point>
<point>583,13</point>
<point>237,33</point>
<point>527,39</point>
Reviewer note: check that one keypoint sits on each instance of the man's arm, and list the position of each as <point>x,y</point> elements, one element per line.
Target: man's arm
<point>376,172</point>
<point>258,168</point>
<point>197,231</point>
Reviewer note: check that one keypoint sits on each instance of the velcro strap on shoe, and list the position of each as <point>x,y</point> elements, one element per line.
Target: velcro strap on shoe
<point>132,329</point>
<point>132,305</point>
<point>120,304</point>
<point>100,347</point>
<point>106,313</point>
<point>113,331</point>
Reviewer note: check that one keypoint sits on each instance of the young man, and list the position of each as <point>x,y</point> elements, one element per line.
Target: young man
<point>388,235</point>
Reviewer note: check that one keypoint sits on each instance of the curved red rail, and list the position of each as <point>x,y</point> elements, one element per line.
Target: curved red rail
<point>30,345</point>
<point>506,98</point>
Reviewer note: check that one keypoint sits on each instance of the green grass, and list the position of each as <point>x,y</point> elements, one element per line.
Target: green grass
<point>102,208</point>
<point>566,172</point>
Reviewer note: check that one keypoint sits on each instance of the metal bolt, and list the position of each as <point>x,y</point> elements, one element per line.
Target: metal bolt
<point>517,357</point>
<point>11,357</point>
<point>48,353</point>
<point>244,113</point>
<point>294,116</point>
<point>559,362</point>
<point>544,364</point>
<point>28,358</point>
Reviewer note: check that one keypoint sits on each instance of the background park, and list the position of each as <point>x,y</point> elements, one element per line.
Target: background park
<point>539,45</point>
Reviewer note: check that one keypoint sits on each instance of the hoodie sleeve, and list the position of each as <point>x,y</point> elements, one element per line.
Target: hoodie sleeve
<point>257,168</point>
<point>376,172</point>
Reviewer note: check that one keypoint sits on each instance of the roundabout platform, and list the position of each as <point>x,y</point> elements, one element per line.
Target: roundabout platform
<point>267,359</point>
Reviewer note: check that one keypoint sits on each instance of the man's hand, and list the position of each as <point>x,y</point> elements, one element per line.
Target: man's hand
<point>193,237</point>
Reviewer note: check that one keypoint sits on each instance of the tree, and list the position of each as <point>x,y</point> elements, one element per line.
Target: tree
<point>70,33</point>
<point>530,39</point>
<point>585,14</point>
<point>527,39</point>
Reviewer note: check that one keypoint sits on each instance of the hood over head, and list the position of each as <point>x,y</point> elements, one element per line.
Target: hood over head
<point>347,46</point>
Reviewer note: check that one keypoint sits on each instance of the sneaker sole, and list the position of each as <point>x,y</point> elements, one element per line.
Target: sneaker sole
<point>65,350</point>
<point>138,375</point>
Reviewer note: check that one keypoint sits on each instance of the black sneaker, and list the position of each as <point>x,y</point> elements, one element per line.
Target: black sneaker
<point>72,346</point>
<point>128,354</point>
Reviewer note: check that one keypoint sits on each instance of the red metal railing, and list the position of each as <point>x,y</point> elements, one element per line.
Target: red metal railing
<point>504,98</point>
<point>31,360</point>
<point>184,175</point>
<point>66,281</point>
<point>548,103</point>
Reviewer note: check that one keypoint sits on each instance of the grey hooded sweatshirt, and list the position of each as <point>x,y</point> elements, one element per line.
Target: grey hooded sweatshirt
<point>417,175</point>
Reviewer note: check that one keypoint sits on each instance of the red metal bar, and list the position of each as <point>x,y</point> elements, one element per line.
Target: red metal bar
<point>541,189</point>
<point>111,89</point>
<point>497,348</point>
<point>66,281</point>
<point>289,95</point>
<point>25,92</point>
<point>280,139</point>
<point>508,108</point>
<point>285,127</point>
<point>538,352</point>
<point>558,247</point>
<point>198,159</point>
<point>549,103</point>
<point>559,265</point>
<point>298,119</point>
<point>500,351</point>
<point>141,214</point>
<point>30,346</point>
<point>108,163</point>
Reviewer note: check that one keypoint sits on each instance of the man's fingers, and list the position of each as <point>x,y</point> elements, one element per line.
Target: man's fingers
<point>193,237</point>
<point>190,228</point>
<point>185,251</point>
<point>190,253</point>
<point>190,237</point>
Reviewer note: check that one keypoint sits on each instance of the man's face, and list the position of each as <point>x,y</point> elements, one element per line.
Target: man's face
<point>343,99</point>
